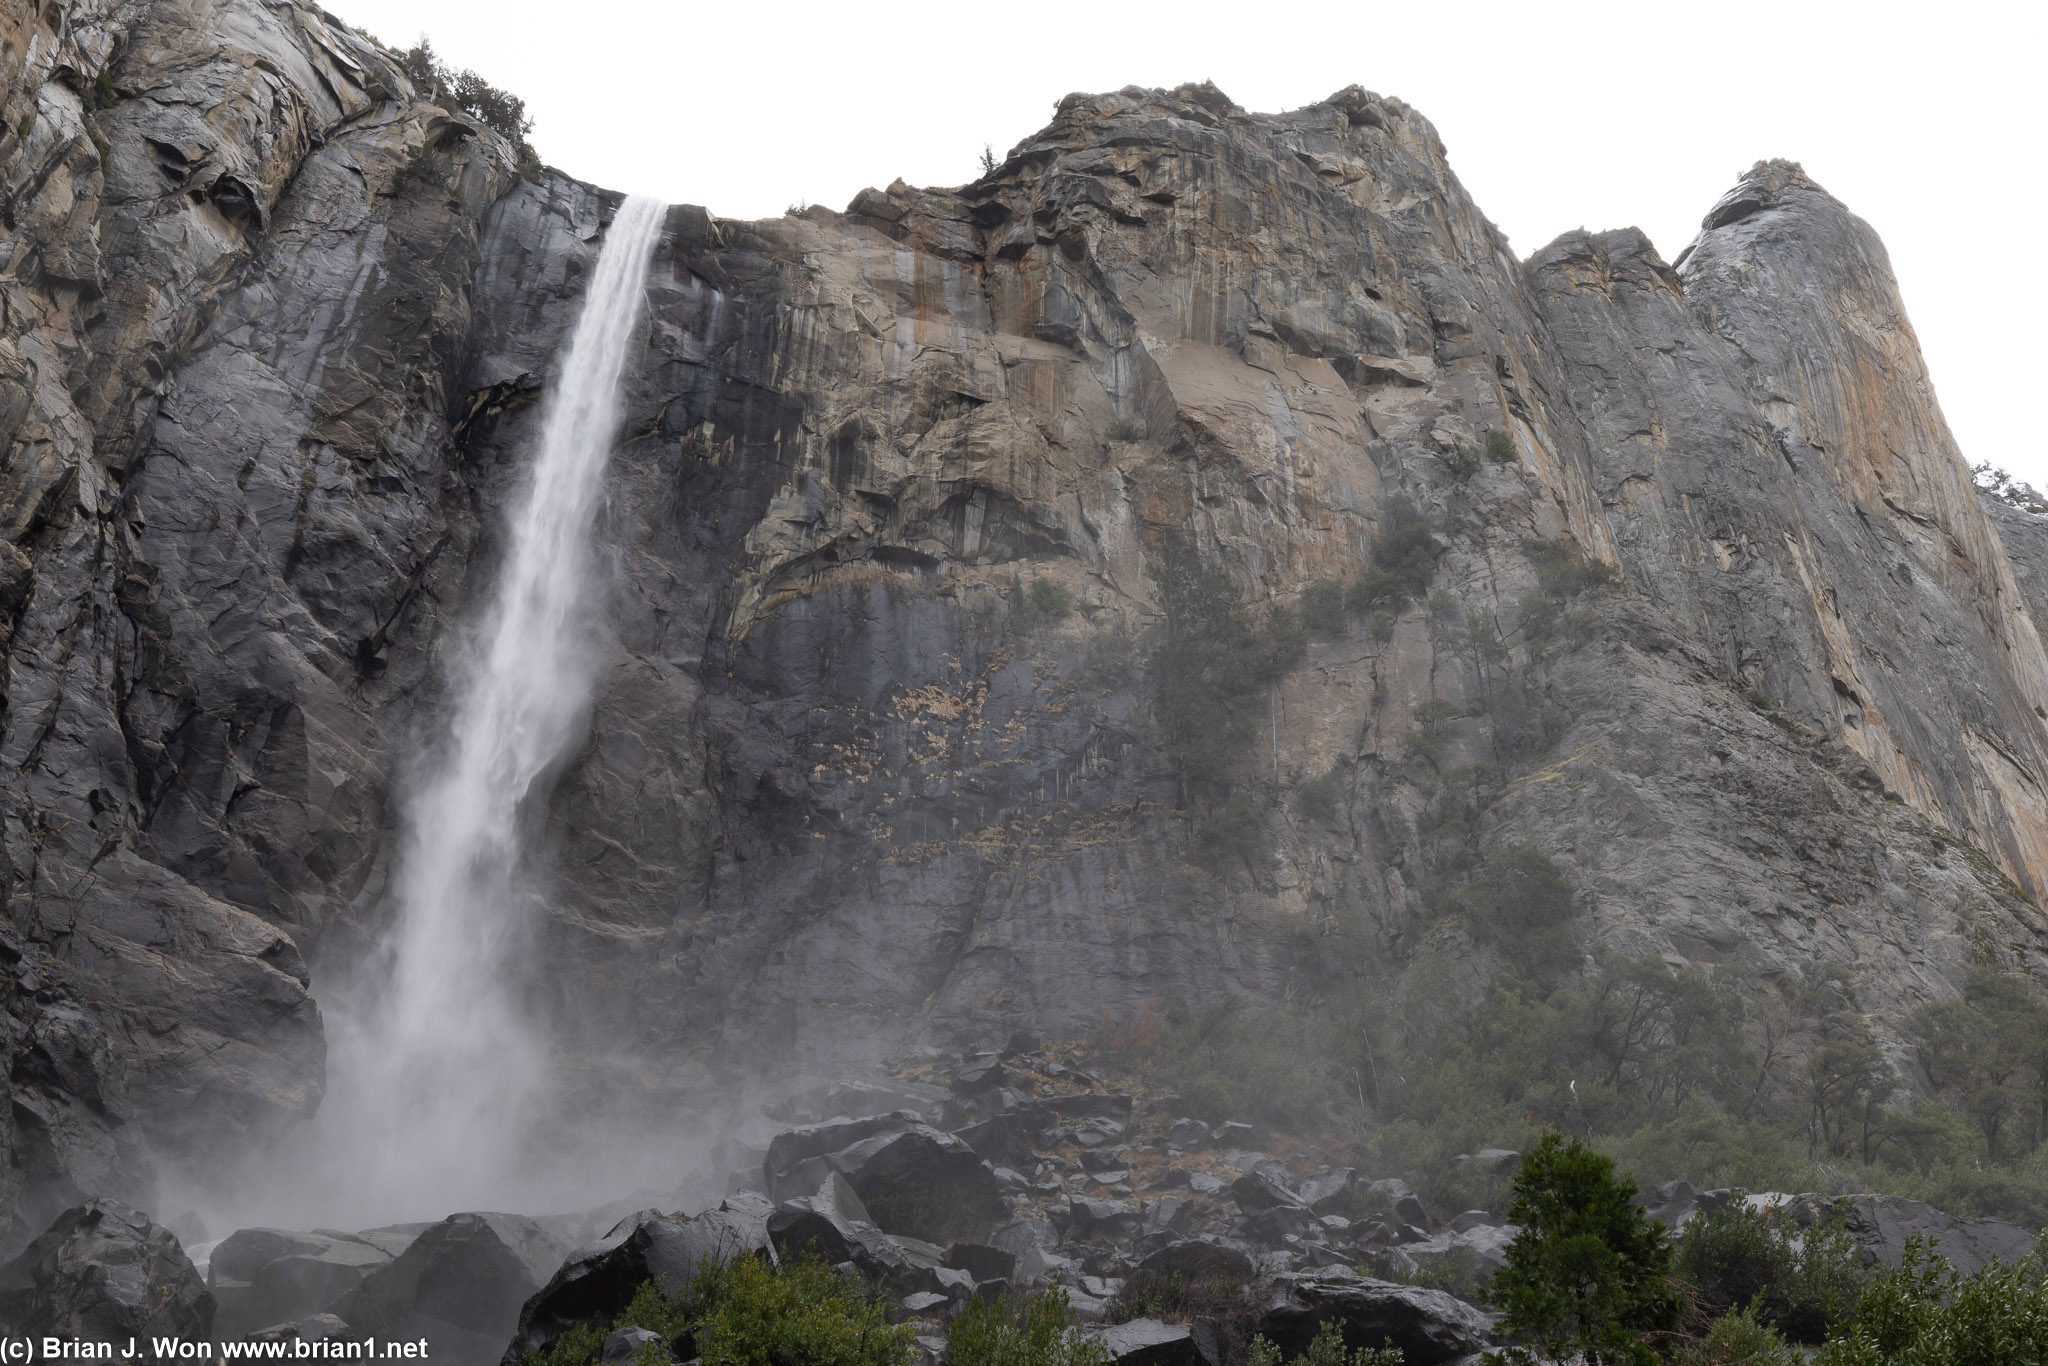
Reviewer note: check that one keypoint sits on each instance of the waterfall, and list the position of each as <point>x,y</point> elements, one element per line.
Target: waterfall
<point>436,1066</point>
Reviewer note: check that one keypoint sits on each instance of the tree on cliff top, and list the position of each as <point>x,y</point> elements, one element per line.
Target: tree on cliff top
<point>497,109</point>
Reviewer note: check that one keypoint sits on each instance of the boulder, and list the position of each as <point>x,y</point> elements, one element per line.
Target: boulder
<point>622,1346</point>
<point>598,1280</point>
<point>1090,1215</point>
<point>103,1272</point>
<point>911,1177</point>
<point>317,1328</point>
<point>262,1277</point>
<point>1265,1187</point>
<point>1671,1203</point>
<point>1200,1259</point>
<point>1480,1250</point>
<point>1473,1218</point>
<point>1410,1209</point>
<point>1146,1342</point>
<point>1187,1133</point>
<point>1024,1235</point>
<point>1276,1225</point>
<point>982,1261</point>
<point>460,1285</point>
<point>1331,1183</point>
<point>1883,1223</point>
<point>1429,1326</point>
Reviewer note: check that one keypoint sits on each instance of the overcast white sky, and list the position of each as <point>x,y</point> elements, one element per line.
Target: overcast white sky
<point>1926,119</point>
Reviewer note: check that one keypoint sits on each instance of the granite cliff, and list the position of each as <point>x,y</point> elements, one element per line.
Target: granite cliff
<point>877,753</point>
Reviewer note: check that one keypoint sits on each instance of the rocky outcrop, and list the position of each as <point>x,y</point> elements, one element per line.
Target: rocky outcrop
<point>273,332</point>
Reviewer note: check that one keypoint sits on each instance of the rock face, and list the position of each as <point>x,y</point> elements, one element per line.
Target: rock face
<point>268,364</point>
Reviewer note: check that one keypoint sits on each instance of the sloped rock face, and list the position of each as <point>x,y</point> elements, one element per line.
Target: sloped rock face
<point>267,377</point>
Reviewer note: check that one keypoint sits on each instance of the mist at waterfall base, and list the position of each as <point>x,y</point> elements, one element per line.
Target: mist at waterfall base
<point>439,1077</point>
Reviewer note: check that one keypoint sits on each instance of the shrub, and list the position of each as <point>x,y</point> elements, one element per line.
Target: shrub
<point>1500,448</point>
<point>1326,1350</point>
<point>747,1312</point>
<point>1801,1284</point>
<point>1050,599</point>
<point>1322,607</point>
<point>804,1313</point>
<point>1036,1331</point>
<point>1920,1313</point>
<point>1588,1272</point>
<point>1738,1339</point>
<point>102,94</point>
<point>27,124</point>
<point>1321,796</point>
<point>1108,661</point>
<point>1124,429</point>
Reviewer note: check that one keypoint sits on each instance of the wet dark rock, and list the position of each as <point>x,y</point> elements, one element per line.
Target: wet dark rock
<point>270,1276</point>
<point>982,1261</point>
<point>595,1282</point>
<point>1322,1187</point>
<point>316,1328</point>
<point>1671,1203</point>
<point>1024,1235</point>
<point>1265,1186</point>
<point>1147,1342</point>
<point>1275,1225</point>
<point>1478,1251</point>
<point>1410,1209</point>
<point>105,1273</point>
<point>1429,1326</point>
<point>1881,1224</point>
<point>1198,1260</point>
<point>460,1285</point>
<point>911,1177</point>
<point>1473,1218</point>
<point>1093,1215</point>
<point>1187,1133</point>
<point>622,1346</point>
<point>979,1075</point>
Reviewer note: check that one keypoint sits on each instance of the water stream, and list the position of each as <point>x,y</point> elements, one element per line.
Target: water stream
<point>435,1062</point>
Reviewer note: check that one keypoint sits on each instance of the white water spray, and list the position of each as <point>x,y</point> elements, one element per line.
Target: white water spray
<point>436,1068</point>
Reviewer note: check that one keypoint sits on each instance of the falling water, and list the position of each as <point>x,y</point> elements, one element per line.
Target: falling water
<point>436,1065</point>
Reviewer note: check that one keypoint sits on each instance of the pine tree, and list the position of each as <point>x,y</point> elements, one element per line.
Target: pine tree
<point>1589,1272</point>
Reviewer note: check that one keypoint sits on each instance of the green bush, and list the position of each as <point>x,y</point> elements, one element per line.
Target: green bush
<point>1109,661</point>
<point>1588,1272</point>
<point>1124,429</point>
<point>1921,1313</point>
<point>1500,447</point>
<point>1050,599</point>
<point>1738,1339</point>
<point>1322,796</point>
<point>804,1313</point>
<point>102,95</point>
<point>1326,1350</point>
<point>27,124</point>
<point>1322,607</point>
<point>1039,1330</point>
<point>747,1312</point>
<point>1800,1283</point>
